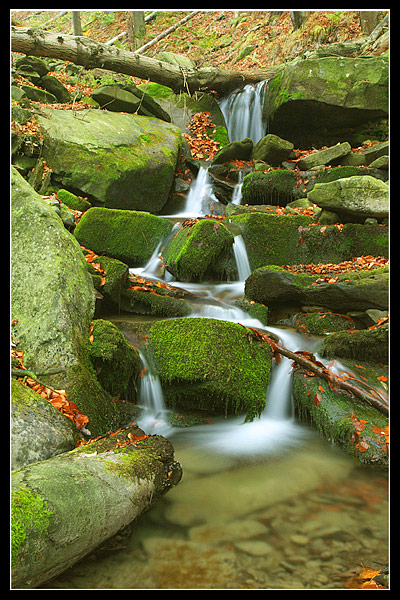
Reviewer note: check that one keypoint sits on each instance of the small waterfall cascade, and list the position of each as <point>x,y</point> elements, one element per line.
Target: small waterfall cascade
<point>200,196</point>
<point>237,192</point>
<point>153,418</point>
<point>242,261</point>
<point>243,110</point>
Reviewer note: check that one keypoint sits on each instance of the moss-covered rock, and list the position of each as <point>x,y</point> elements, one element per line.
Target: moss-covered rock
<point>319,323</point>
<point>53,303</point>
<point>211,365</point>
<point>124,161</point>
<point>271,187</point>
<point>319,96</point>
<point>273,285</point>
<point>283,186</point>
<point>237,150</point>
<point>130,236</point>
<point>156,303</point>
<point>369,345</point>
<point>199,251</point>
<point>358,196</point>
<point>72,201</point>
<point>273,239</point>
<point>117,363</point>
<point>272,149</point>
<point>337,416</point>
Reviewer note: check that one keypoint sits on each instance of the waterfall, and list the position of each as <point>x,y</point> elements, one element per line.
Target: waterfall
<point>153,418</point>
<point>237,192</point>
<point>242,261</point>
<point>200,196</point>
<point>243,110</point>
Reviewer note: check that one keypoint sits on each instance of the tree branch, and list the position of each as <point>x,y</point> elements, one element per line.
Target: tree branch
<point>310,364</point>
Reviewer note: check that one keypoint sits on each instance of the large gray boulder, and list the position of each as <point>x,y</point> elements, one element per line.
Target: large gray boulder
<point>52,304</point>
<point>121,160</point>
<point>317,96</point>
<point>362,196</point>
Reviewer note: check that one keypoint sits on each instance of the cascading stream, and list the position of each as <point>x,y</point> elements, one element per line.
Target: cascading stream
<point>276,428</point>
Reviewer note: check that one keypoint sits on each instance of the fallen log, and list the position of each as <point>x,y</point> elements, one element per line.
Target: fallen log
<point>83,51</point>
<point>308,362</point>
<point>65,507</point>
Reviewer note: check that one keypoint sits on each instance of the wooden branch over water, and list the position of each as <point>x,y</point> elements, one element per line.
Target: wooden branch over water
<point>371,398</point>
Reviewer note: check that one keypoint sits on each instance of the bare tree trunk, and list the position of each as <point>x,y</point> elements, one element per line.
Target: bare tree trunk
<point>76,22</point>
<point>139,27</point>
<point>84,51</point>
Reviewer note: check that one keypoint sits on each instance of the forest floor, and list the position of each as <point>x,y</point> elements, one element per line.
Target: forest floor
<point>237,40</point>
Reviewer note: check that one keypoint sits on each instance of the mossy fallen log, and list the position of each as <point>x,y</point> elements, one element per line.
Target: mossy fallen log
<point>65,507</point>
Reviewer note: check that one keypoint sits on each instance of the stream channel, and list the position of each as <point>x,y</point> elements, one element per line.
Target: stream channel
<point>261,505</point>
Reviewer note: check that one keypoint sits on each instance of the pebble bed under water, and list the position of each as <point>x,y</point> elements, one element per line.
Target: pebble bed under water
<point>308,519</point>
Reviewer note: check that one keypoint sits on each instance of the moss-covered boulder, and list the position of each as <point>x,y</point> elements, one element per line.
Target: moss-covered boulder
<point>72,201</point>
<point>210,365</point>
<point>358,196</point>
<point>151,302</point>
<point>369,345</point>
<point>356,427</point>
<point>272,149</point>
<point>53,301</point>
<point>202,250</point>
<point>283,186</point>
<point>319,323</point>
<point>121,160</point>
<point>352,291</point>
<point>127,235</point>
<point>319,96</point>
<point>237,150</point>
<point>117,363</point>
<point>273,239</point>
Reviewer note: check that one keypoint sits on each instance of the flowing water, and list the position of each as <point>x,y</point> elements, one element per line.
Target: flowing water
<point>242,112</point>
<point>261,505</point>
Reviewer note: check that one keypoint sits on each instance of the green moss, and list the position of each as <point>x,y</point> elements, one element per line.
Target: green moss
<point>198,252</point>
<point>220,135</point>
<point>131,464</point>
<point>117,364</point>
<point>333,416</point>
<point>211,365</point>
<point>29,513</point>
<point>130,236</point>
<point>272,239</point>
